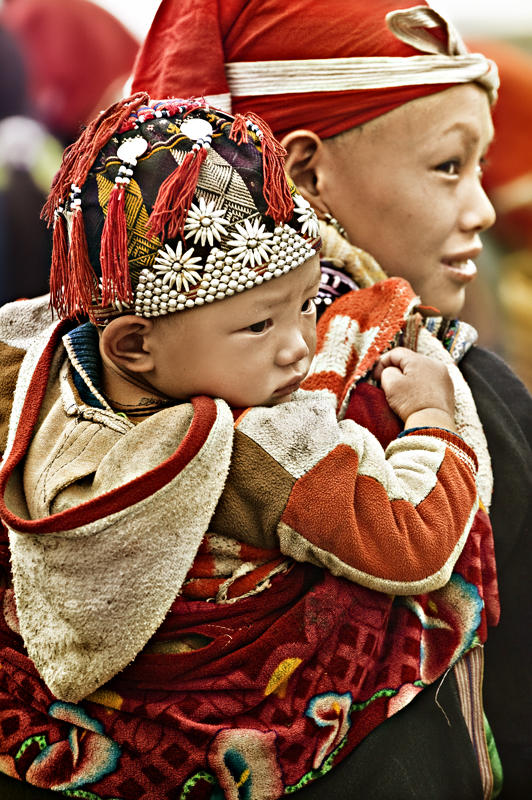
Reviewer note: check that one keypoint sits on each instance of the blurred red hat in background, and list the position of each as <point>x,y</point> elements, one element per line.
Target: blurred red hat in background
<point>77,55</point>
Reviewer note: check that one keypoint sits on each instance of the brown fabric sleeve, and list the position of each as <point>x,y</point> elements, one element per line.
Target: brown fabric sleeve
<point>254,497</point>
<point>10,361</point>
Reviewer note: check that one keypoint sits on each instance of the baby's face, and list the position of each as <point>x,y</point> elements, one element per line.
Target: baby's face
<point>250,349</point>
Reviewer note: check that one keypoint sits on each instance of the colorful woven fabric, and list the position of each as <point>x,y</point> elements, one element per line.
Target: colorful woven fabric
<point>166,205</point>
<point>290,678</point>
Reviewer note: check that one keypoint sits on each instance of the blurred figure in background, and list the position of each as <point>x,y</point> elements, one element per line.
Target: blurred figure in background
<point>78,57</point>
<point>60,62</point>
<point>29,157</point>
<point>508,181</point>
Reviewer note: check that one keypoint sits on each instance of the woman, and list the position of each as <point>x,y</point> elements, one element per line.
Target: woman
<point>394,162</point>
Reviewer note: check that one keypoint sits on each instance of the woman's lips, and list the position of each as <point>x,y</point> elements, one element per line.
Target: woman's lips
<point>461,271</point>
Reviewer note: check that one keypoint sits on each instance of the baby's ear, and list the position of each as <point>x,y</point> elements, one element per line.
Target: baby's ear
<point>125,343</point>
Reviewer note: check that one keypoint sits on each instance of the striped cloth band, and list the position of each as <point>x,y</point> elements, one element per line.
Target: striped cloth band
<point>344,74</point>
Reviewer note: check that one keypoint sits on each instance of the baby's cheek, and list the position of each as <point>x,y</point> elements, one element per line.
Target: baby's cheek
<point>310,339</point>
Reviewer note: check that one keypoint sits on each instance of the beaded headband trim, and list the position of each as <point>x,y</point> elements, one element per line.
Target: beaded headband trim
<point>169,205</point>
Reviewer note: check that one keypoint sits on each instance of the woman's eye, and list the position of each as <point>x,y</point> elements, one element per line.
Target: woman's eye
<point>481,166</point>
<point>260,327</point>
<point>308,305</point>
<point>451,167</point>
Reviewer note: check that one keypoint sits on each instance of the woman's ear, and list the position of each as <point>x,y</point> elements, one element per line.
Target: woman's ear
<point>125,342</point>
<point>304,163</point>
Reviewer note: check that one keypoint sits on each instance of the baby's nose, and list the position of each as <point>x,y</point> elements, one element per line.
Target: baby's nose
<point>293,348</point>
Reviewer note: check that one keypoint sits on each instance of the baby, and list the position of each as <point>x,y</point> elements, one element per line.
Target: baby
<point>255,350</point>
<point>169,433</point>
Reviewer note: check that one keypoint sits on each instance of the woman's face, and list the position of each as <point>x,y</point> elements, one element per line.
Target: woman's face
<point>407,188</point>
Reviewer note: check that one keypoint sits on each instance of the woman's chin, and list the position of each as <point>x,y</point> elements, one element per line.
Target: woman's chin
<point>449,303</point>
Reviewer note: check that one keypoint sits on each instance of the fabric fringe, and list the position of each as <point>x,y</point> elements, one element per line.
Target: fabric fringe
<point>79,157</point>
<point>116,280</point>
<point>81,284</point>
<point>239,129</point>
<point>59,267</point>
<point>174,198</point>
<point>276,189</point>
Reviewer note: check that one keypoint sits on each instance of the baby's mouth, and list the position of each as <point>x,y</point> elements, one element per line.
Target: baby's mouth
<point>289,387</point>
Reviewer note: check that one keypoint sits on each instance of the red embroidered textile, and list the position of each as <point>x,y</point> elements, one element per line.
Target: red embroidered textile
<point>292,680</point>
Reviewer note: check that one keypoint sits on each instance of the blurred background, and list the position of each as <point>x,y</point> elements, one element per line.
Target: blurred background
<point>63,60</point>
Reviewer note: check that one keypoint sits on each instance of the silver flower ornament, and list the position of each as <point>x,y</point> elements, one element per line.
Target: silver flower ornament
<point>205,222</point>
<point>306,216</point>
<point>177,268</point>
<point>251,244</point>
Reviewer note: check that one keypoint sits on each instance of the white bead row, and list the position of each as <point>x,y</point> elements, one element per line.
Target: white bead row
<point>154,299</point>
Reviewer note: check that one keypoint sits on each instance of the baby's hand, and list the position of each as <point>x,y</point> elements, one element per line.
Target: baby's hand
<point>417,388</point>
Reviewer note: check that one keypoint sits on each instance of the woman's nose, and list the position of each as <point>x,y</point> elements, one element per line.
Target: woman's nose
<point>292,348</point>
<point>478,214</point>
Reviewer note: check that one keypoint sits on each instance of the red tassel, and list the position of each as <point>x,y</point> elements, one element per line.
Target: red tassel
<point>276,189</point>
<point>239,129</point>
<point>82,284</point>
<point>116,280</point>
<point>79,157</point>
<point>59,268</point>
<point>175,197</point>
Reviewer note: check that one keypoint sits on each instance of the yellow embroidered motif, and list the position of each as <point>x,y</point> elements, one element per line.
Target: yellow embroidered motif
<point>281,675</point>
<point>107,698</point>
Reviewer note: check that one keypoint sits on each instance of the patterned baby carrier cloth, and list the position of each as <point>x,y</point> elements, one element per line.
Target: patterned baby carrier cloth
<point>298,665</point>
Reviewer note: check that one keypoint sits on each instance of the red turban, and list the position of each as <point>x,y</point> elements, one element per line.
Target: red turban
<point>191,41</point>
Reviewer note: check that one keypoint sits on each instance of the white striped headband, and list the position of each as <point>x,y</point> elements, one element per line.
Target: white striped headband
<point>439,65</point>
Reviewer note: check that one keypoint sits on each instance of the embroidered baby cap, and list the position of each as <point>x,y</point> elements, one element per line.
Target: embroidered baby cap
<point>164,205</point>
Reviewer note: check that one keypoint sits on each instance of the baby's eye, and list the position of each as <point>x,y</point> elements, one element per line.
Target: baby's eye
<point>451,167</point>
<point>260,327</point>
<point>308,306</point>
